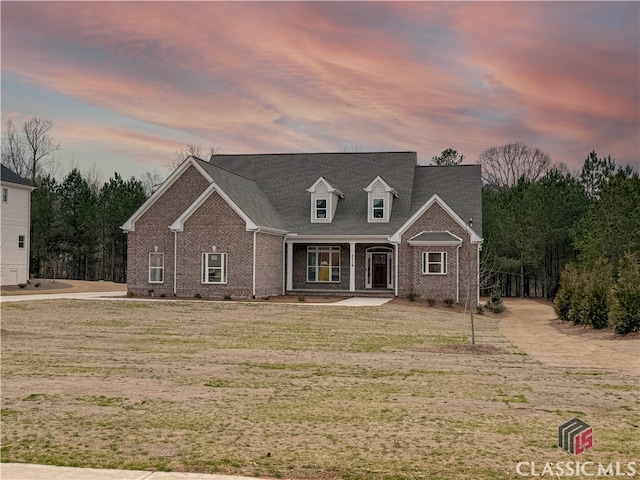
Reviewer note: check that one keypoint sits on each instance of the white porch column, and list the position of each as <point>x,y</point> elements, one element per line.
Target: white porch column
<point>289,266</point>
<point>352,266</point>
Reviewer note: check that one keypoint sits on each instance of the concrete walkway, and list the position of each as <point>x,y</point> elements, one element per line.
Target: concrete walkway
<point>25,471</point>
<point>349,302</point>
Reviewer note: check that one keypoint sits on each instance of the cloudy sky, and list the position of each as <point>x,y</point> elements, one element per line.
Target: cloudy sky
<point>129,83</point>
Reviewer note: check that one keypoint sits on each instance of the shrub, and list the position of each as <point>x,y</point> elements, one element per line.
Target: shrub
<point>22,285</point>
<point>479,309</point>
<point>597,297</point>
<point>412,296</point>
<point>566,292</point>
<point>227,297</point>
<point>624,314</point>
<point>131,294</point>
<point>495,303</point>
<point>197,295</point>
<point>449,302</point>
<point>37,284</point>
<point>431,302</point>
<point>163,295</point>
<point>301,298</point>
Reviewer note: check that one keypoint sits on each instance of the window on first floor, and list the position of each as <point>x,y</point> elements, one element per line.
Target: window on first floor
<point>20,241</point>
<point>214,268</point>
<point>323,264</point>
<point>434,263</point>
<point>5,195</point>
<point>156,267</point>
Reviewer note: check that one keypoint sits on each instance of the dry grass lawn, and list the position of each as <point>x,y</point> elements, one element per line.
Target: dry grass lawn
<point>292,391</point>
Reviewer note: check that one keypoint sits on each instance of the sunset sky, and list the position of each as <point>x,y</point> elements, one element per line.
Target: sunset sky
<point>129,83</point>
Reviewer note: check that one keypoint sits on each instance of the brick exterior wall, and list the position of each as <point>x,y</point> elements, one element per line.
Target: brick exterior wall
<point>438,287</point>
<point>269,265</point>
<point>152,230</point>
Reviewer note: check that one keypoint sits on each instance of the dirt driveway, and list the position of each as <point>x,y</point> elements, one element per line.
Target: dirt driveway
<point>533,326</point>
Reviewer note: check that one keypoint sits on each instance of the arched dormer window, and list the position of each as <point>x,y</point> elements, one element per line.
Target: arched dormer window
<point>324,201</point>
<point>379,201</point>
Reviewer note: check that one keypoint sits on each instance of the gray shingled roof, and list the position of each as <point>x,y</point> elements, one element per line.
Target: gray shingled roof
<point>272,188</point>
<point>9,176</point>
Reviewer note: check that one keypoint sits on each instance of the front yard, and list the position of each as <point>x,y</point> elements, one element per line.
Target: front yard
<point>292,391</point>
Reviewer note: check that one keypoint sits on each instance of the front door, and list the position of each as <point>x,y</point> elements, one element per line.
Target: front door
<point>379,267</point>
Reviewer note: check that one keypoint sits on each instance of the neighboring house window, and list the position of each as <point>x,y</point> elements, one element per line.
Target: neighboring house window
<point>20,241</point>
<point>323,264</point>
<point>378,208</point>
<point>156,267</point>
<point>321,208</point>
<point>5,195</point>
<point>434,263</point>
<point>214,268</point>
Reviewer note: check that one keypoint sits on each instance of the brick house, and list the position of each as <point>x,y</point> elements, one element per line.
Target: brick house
<point>249,226</point>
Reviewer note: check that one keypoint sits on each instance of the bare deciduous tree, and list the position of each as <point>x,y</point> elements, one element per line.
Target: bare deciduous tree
<point>150,181</point>
<point>190,150</point>
<point>29,151</point>
<point>503,166</point>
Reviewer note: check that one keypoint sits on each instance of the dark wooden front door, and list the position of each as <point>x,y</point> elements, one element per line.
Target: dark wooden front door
<point>379,265</point>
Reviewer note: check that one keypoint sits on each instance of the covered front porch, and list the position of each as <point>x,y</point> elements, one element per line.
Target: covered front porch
<point>341,266</point>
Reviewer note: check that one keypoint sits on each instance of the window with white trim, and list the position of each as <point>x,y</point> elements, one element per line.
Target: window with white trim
<point>321,208</point>
<point>5,195</point>
<point>378,208</point>
<point>323,264</point>
<point>156,267</point>
<point>20,241</point>
<point>434,263</point>
<point>214,268</point>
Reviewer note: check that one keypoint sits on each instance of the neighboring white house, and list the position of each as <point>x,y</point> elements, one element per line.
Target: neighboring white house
<point>15,220</point>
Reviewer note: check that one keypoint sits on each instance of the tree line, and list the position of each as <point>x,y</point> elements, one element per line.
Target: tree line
<point>75,222</point>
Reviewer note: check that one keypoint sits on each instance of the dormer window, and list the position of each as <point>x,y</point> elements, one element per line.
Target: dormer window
<point>324,201</point>
<point>378,208</point>
<point>321,208</point>
<point>379,201</point>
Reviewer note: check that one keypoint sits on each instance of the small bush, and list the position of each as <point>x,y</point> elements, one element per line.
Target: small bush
<point>197,295</point>
<point>412,296</point>
<point>449,302</point>
<point>266,299</point>
<point>227,297</point>
<point>163,295</point>
<point>301,298</point>
<point>495,303</point>
<point>479,309</point>
<point>131,294</point>
<point>431,302</point>
<point>37,284</point>
<point>22,285</point>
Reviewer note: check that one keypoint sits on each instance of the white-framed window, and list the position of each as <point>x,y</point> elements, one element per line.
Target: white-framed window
<point>5,195</point>
<point>378,208</point>
<point>321,208</point>
<point>323,264</point>
<point>214,268</point>
<point>156,267</point>
<point>20,241</point>
<point>434,263</point>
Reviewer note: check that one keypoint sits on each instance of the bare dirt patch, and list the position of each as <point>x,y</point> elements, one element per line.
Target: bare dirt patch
<point>533,326</point>
<point>46,285</point>
<point>292,391</point>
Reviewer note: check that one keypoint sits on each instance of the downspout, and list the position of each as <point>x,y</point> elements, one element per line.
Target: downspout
<point>253,288</point>
<point>175,262</point>
<point>284,269</point>
<point>395,268</point>
<point>458,273</point>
